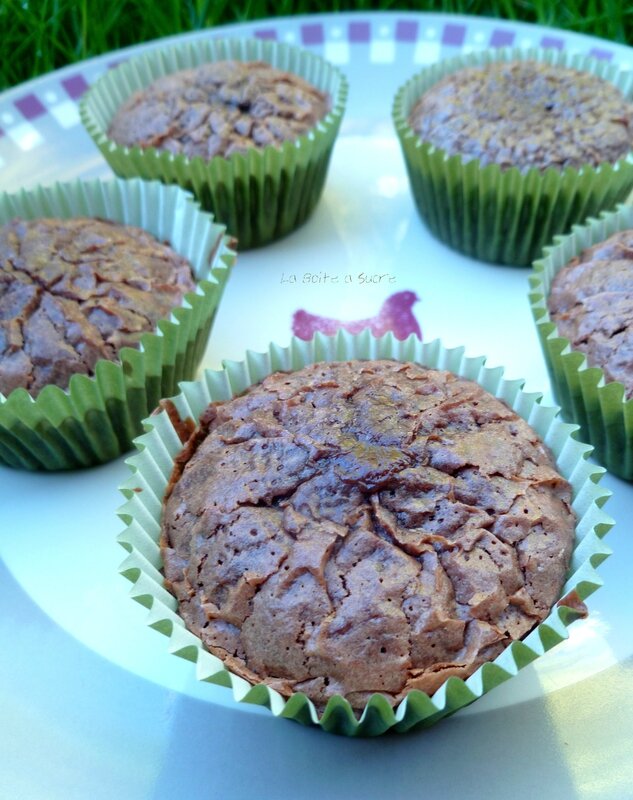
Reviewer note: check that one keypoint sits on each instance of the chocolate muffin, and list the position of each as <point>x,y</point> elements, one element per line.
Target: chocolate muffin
<point>73,291</point>
<point>364,527</point>
<point>526,114</point>
<point>591,302</point>
<point>218,109</point>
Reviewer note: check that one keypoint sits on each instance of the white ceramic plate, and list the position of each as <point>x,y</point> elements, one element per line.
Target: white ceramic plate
<point>57,531</point>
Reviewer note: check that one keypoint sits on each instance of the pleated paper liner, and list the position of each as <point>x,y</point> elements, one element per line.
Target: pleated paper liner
<point>152,467</point>
<point>97,417</point>
<point>587,398</point>
<point>503,216</point>
<point>260,196</point>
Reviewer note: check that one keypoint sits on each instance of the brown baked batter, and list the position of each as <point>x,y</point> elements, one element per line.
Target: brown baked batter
<point>75,291</point>
<point>591,302</point>
<point>364,527</point>
<point>218,109</point>
<point>526,114</point>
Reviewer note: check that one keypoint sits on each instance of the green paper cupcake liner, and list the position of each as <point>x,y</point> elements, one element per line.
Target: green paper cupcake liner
<point>260,196</point>
<point>586,396</point>
<point>97,417</point>
<point>504,216</point>
<point>152,467</point>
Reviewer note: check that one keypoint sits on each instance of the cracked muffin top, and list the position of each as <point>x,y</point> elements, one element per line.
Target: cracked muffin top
<point>526,114</point>
<point>218,109</point>
<point>74,291</point>
<point>361,527</point>
<point>591,302</point>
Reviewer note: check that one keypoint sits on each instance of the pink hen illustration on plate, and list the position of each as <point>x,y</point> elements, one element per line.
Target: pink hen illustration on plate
<point>395,315</point>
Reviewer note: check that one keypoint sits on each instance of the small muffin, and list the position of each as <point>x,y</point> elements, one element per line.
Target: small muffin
<point>507,149</point>
<point>218,109</point>
<point>108,291</point>
<point>526,114</point>
<point>364,527</point>
<point>247,125</point>
<point>582,305</point>
<point>73,291</point>
<point>591,302</point>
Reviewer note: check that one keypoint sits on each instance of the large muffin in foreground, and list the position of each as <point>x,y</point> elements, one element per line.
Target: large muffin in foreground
<point>362,527</point>
<point>73,291</point>
<point>248,125</point>
<point>507,148</point>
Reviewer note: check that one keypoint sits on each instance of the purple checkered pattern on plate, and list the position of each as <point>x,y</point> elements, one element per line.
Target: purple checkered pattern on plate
<point>312,34</point>
<point>454,34</point>
<point>501,38</point>
<point>75,86</point>
<point>605,55</point>
<point>551,41</point>
<point>359,32</point>
<point>266,33</point>
<point>406,31</point>
<point>30,107</point>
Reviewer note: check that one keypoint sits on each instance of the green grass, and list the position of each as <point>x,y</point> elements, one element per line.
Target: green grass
<point>41,35</point>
